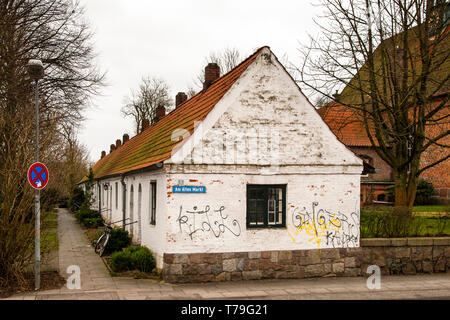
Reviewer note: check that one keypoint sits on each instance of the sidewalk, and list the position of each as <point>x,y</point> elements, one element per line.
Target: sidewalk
<point>97,284</point>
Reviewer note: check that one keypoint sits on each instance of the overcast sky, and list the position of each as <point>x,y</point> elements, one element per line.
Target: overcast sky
<point>170,39</point>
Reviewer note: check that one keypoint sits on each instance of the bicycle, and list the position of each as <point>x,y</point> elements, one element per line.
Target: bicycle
<point>75,206</point>
<point>101,243</point>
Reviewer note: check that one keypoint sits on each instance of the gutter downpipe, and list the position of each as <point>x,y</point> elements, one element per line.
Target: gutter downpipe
<point>124,201</point>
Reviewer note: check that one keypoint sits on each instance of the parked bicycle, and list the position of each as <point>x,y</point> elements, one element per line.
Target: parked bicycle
<point>102,241</point>
<point>75,206</point>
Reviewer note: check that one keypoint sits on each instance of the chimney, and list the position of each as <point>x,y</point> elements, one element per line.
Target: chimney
<point>112,148</point>
<point>125,138</point>
<point>180,98</point>
<point>103,154</point>
<point>160,112</point>
<point>118,143</point>
<point>212,73</point>
<point>336,95</point>
<point>145,124</point>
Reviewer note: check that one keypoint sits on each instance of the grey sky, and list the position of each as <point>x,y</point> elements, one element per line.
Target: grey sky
<point>170,39</point>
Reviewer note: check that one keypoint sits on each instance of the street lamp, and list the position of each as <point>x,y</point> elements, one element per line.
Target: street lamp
<point>36,72</point>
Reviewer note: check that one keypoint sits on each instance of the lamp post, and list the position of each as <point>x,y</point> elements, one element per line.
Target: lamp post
<point>36,72</point>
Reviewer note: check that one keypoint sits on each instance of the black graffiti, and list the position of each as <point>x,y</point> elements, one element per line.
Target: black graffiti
<point>338,229</point>
<point>215,222</point>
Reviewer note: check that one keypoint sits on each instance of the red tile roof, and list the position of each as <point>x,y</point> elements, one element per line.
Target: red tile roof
<point>154,144</point>
<point>345,124</point>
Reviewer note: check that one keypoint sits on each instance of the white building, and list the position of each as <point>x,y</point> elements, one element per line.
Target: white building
<point>247,164</point>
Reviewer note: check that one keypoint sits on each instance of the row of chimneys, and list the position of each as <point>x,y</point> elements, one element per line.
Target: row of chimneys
<point>212,73</point>
<point>113,147</point>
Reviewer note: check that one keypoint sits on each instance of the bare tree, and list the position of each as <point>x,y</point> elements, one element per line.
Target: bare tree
<point>55,32</point>
<point>392,59</point>
<point>226,59</point>
<point>142,104</point>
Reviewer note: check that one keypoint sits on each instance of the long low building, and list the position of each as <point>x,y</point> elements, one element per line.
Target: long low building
<point>245,165</point>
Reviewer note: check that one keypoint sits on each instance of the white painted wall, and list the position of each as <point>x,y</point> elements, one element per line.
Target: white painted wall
<point>152,236</point>
<point>337,194</point>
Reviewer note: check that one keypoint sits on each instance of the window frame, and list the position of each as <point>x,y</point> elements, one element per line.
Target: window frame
<point>266,224</point>
<point>152,202</point>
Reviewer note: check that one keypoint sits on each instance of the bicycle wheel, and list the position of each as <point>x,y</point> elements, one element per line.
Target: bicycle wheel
<point>101,244</point>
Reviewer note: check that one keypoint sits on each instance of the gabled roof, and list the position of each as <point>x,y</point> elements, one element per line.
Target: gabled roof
<point>154,144</point>
<point>345,124</point>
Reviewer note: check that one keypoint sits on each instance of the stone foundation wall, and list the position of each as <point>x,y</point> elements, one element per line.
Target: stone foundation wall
<point>393,256</point>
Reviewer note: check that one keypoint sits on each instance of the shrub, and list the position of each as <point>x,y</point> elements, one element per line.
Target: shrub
<point>132,249</point>
<point>118,240</point>
<point>63,202</point>
<point>93,222</point>
<point>425,191</point>
<point>89,218</point>
<point>76,199</point>
<point>131,258</point>
<point>49,199</point>
<point>383,222</point>
<point>121,261</point>
<point>143,259</point>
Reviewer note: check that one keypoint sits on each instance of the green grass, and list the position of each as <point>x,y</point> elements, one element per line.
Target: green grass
<point>49,232</point>
<point>49,240</point>
<point>381,222</point>
<point>434,226</point>
<point>432,208</point>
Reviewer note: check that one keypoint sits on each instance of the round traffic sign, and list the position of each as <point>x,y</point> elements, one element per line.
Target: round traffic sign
<point>38,175</point>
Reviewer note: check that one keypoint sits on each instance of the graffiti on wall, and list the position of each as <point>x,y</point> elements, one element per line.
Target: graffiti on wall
<point>324,227</point>
<point>207,221</point>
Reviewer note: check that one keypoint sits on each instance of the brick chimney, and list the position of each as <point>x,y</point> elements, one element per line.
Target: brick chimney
<point>125,138</point>
<point>103,154</point>
<point>212,73</point>
<point>180,98</point>
<point>336,95</point>
<point>160,112</point>
<point>145,124</point>
<point>112,148</point>
<point>118,143</point>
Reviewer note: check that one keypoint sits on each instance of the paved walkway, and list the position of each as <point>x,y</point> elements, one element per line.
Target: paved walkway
<point>96,283</point>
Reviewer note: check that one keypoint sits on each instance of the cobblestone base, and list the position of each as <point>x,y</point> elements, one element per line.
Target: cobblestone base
<point>393,256</point>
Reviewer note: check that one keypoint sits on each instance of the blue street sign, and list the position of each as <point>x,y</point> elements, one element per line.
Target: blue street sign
<point>188,189</point>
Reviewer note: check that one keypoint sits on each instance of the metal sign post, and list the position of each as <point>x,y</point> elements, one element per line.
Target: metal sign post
<point>36,71</point>
<point>37,205</point>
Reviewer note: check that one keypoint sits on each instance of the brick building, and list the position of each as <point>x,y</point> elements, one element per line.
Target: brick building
<point>351,132</point>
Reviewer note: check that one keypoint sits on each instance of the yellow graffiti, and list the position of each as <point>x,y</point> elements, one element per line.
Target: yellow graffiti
<point>316,230</point>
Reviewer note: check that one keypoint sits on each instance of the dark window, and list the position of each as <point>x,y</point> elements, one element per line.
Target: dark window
<point>266,206</point>
<point>117,195</point>
<point>153,202</point>
<point>381,197</point>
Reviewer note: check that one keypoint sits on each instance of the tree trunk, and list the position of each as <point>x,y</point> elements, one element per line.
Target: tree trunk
<point>405,193</point>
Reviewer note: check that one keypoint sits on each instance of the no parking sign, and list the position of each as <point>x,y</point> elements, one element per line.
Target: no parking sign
<point>38,175</point>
